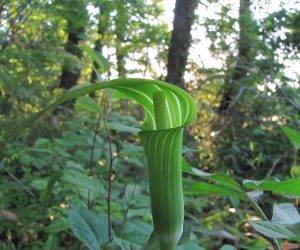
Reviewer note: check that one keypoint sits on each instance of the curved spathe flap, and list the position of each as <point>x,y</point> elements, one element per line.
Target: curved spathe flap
<point>181,106</point>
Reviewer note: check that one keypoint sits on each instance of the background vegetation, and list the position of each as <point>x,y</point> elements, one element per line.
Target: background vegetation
<point>238,59</point>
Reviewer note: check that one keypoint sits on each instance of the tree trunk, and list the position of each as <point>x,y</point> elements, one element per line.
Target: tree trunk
<point>180,41</point>
<point>70,76</point>
<point>77,18</point>
<point>98,49</point>
<point>235,124</point>
<point>121,21</point>
<point>121,64</point>
<point>236,79</point>
<point>103,24</point>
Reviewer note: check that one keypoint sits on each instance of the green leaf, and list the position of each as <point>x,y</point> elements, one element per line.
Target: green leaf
<point>206,188</point>
<point>40,184</point>
<point>219,178</point>
<point>152,243</point>
<point>89,227</point>
<point>215,233</point>
<point>274,230</point>
<point>285,213</point>
<point>122,128</point>
<point>292,135</point>
<point>83,181</point>
<point>51,243</point>
<point>117,244</point>
<point>57,226</point>
<point>255,194</point>
<point>97,57</point>
<point>228,247</point>
<point>88,104</point>
<point>136,237</point>
<point>289,187</point>
<point>186,234</point>
<point>296,239</point>
<point>258,243</point>
<point>295,171</point>
<point>285,223</point>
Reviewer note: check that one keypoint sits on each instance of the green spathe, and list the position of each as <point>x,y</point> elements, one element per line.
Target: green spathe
<point>163,150</point>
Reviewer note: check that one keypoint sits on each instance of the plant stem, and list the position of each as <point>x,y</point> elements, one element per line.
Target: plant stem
<point>92,156</point>
<point>263,216</point>
<point>110,173</point>
<point>27,190</point>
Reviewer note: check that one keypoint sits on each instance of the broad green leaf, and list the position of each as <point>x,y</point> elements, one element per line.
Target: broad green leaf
<point>220,178</point>
<point>285,213</point>
<point>259,243</point>
<point>132,191</point>
<point>135,231</point>
<point>290,186</point>
<point>228,247</point>
<point>186,234</point>
<point>296,239</point>
<point>40,184</point>
<point>255,194</point>
<point>74,165</point>
<point>120,244</point>
<point>83,181</point>
<point>275,230</point>
<point>215,233</point>
<point>202,188</point>
<point>89,227</point>
<point>51,243</point>
<point>117,244</point>
<point>71,140</point>
<point>152,243</point>
<point>122,128</point>
<point>285,222</point>
<point>57,226</point>
<point>88,104</point>
<point>136,237</point>
<point>292,135</point>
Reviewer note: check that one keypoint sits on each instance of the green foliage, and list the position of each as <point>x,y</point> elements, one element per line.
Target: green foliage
<point>282,187</point>
<point>54,176</point>
<point>88,104</point>
<point>89,227</point>
<point>292,135</point>
<point>285,222</point>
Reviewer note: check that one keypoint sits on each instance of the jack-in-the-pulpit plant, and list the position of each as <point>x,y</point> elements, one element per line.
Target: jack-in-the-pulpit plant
<point>168,110</point>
